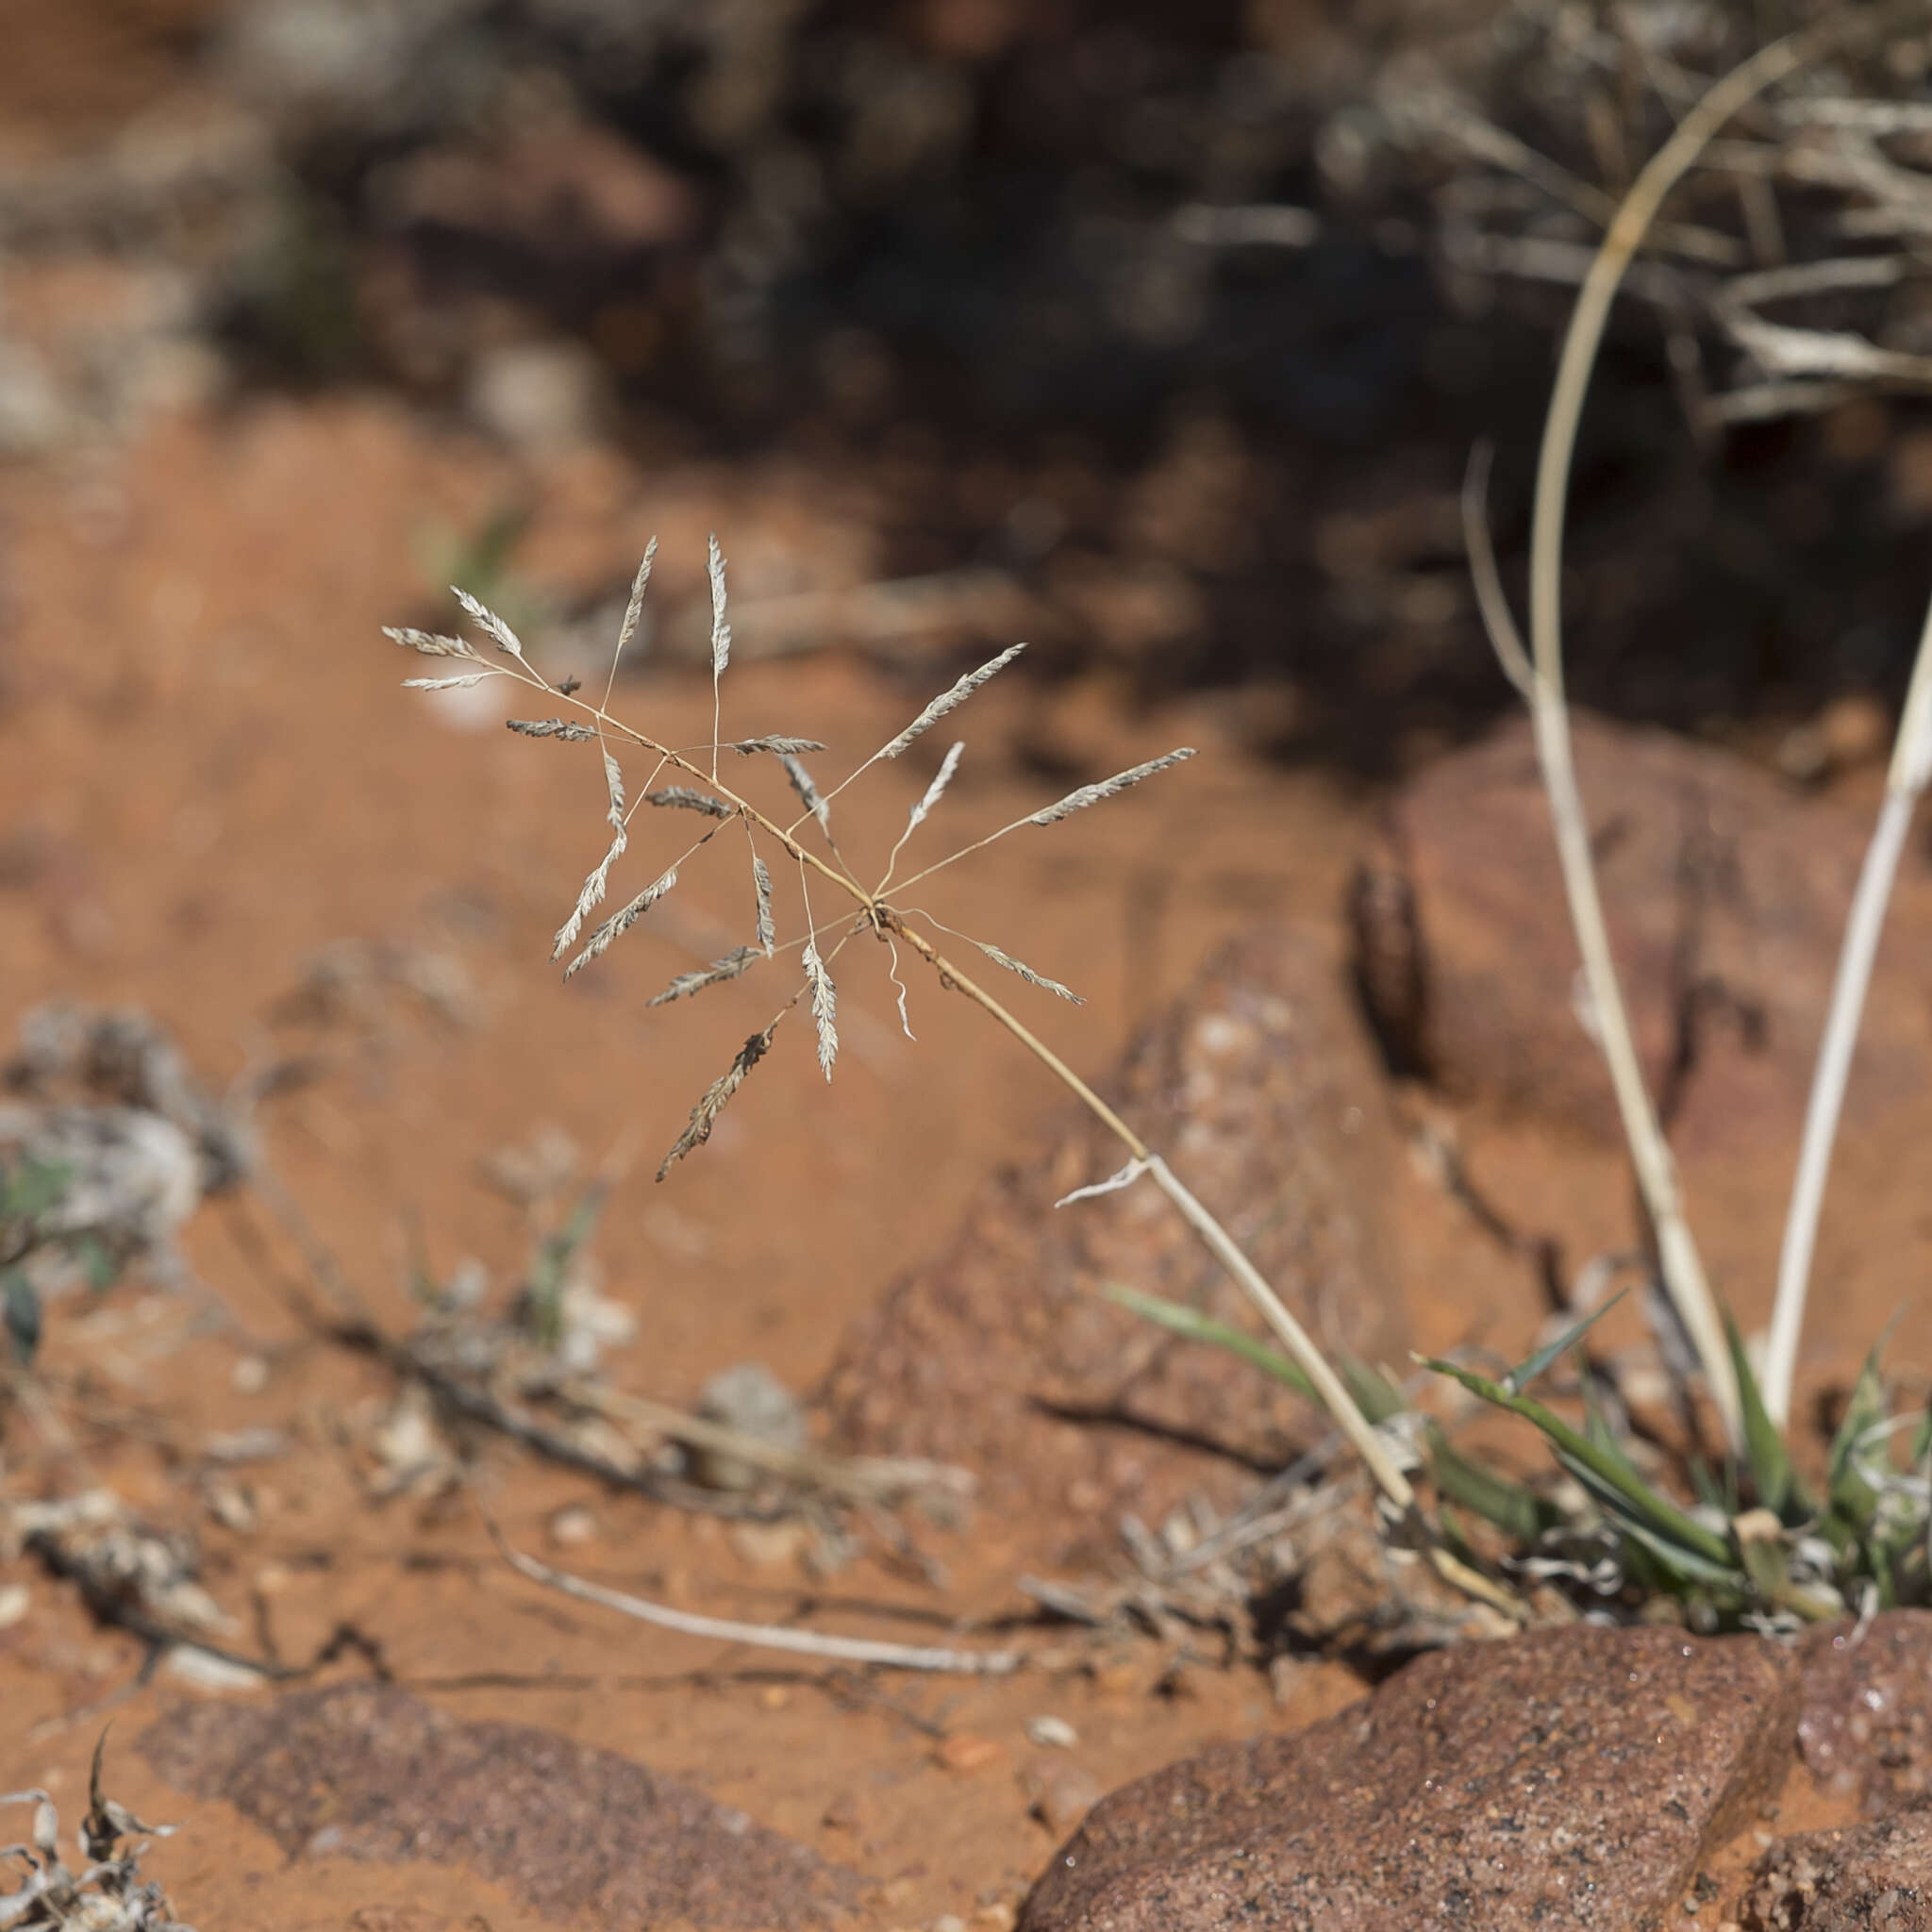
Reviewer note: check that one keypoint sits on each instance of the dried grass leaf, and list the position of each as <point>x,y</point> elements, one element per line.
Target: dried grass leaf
<point>734,962</point>
<point>683,797</point>
<point>711,1104</point>
<point>951,700</point>
<point>620,922</point>
<point>1107,788</point>
<point>568,729</point>
<point>824,1007</point>
<point>448,683</point>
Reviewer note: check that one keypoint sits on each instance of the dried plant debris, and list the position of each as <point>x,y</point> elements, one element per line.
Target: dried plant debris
<point>120,1056</point>
<point>351,981</point>
<point>106,1893</point>
<point>108,1150</point>
<point>1786,271</point>
<point>86,1189</point>
<point>133,1575</point>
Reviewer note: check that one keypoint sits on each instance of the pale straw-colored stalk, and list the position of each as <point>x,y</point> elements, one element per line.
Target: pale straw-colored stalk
<point>1678,1261</point>
<point>1912,768</point>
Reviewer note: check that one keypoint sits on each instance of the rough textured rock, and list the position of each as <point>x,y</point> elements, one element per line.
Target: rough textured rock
<point>1865,1725</point>
<point>1727,895</point>
<point>366,1771</point>
<point>1570,1778</point>
<point>1262,1090</point>
<point>1872,1877</point>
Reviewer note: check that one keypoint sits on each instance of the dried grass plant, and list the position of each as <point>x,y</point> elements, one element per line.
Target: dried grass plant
<point>839,904</point>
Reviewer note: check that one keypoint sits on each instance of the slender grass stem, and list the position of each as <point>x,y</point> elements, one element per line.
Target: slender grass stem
<point>1911,766</point>
<point>1656,1176</point>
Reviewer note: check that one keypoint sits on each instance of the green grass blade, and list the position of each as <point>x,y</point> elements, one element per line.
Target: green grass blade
<point>1518,1512</point>
<point>1524,1372</point>
<point>1196,1326</point>
<point>1375,1395</point>
<point>1604,1469</point>
<point>1772,1473</point>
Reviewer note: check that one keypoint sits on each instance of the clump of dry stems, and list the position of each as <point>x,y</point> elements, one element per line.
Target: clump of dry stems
<point>105,1894</point>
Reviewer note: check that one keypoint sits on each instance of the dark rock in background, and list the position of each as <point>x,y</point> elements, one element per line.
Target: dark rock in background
<point>1727,893</point>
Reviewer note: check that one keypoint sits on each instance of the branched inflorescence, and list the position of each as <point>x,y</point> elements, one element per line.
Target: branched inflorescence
<point>688,782</point>
<point>691,783</point>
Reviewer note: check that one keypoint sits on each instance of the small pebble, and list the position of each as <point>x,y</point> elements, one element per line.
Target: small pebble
<point>967,1752</point>
<point>774,1698</point>
<point>1062,1795</point>
<point>842,1812</point>
<point>15,1603</point>
<point>573,1523</point>
<point>249,1376</point>
<point>1050,1733</point>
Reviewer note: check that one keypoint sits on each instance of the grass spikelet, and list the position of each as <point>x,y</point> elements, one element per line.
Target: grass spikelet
<point>761,884</point>
<point>635,608</point>
<point>568,729</point>
<point>686,798</point>
<point>951,700</point>
<point>446,683</point>
<point>825,1008</point>
<point>778,747</point>
<point>809,794</point>
<point>589,897</point>
<point>721,631</point>
<point>489,624</point>
<point>936,790</point>
<point>734,962</point>
<point>1107,788</point>
<point>428,643</point>
<point>620,922</point>
<point>1028,974</point>
<point>721,637</point>
<point>613,778</point>
<point>711,1104</point>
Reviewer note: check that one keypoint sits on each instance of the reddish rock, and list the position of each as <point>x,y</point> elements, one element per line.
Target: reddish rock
<point>1865,1725</point>
<point>1262,1090</point>
<point>1873,1877</point>
<point>367,1771</point>
<point>1727,895</point>
<point>1570,1778</point>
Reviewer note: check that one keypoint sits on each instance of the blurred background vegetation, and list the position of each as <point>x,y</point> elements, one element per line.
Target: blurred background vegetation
<point>1171,324</point>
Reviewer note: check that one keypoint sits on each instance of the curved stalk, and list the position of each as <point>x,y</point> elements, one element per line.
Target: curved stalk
<point>1656,1176</point>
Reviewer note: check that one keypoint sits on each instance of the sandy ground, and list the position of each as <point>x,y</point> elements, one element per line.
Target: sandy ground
<point>209,778</point>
